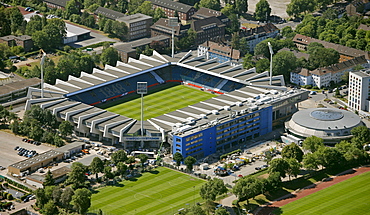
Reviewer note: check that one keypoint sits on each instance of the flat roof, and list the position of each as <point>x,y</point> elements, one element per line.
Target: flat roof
<point>137,17</point>
<point>25,164</point>
<point>19,85</point>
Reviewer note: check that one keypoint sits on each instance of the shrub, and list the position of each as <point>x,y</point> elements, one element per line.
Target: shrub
<point>10,196</point>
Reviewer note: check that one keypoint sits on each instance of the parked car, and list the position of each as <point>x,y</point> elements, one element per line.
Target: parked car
<point>16,148</point>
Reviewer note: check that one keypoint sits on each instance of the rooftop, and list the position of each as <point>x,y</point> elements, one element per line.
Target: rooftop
<point>184,8</point>
<point>134,18</point>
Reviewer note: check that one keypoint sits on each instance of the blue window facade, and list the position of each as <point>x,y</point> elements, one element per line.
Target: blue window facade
<point>226,135</point>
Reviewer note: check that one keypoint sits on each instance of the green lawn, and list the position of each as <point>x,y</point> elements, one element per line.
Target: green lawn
<point>348,197</point>
<point>161,102</point>
<point>164,191</point>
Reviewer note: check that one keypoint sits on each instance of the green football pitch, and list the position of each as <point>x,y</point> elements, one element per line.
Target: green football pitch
<point>163,191</point>
<point>159,103</point>
<point>347,197</point>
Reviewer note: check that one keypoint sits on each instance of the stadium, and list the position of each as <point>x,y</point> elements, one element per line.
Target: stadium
<point>201,106</point>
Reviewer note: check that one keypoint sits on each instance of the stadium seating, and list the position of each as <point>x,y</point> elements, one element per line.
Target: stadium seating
<point>168,74</point>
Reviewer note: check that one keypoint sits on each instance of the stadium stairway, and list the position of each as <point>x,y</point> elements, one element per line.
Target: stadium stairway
<point>157,77</point>
<point>218,87</point>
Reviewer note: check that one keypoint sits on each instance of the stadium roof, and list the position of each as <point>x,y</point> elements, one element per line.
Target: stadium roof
<point>256,93</point>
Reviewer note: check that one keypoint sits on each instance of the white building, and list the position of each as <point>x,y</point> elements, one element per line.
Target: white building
<point>359,92</point>
<point>323,76</point>
<point>256,35</point>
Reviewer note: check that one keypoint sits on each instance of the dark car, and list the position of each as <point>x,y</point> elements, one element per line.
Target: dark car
<point>330,91</point>
<point>17,147</point>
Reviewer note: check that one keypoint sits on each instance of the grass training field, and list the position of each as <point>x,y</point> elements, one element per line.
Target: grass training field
<point>347,197</point>
<point>164,191</point>
<point>159,103</point>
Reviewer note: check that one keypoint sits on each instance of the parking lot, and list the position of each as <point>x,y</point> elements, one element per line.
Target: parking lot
<point>7,144</point>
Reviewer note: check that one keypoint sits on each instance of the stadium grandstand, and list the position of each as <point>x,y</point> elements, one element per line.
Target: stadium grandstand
<point>245,108</point>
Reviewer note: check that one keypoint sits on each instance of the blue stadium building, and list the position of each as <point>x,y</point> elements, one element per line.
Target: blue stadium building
<point>247,104</point>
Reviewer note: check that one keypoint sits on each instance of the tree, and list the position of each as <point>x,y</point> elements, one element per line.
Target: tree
<point>241,6</point>
<point>329,157</point>
<point>262,65</point>
<point>322,57</point>
<point>40,197</point>
<point>57,193</point>
<point>108,172</point>
<point>36,133</point>
<point>96,166</point>
<point>295,7</point>
<point>263,10</point>
<point>81,200</point>
<point>71,8</point>
<point>293,167</point>
<point>213,188</point>
<point>50,208</point>
<point>109,56</point>
<point>361,135</point>
<point>121,168</point>
<point>247,61</point>
<point>16,18</point>
<point>143,158</point>
<point>195,210</point>
<point>211,4</point>
<point>312,143</point>
<point>77,176</point>
<point>119,29</point>
<point>310,161</point>
<point>66,197</point>
<point>279,165</point>
<point>221,211</point>
<point>189,162</point>
<point>287,32</point>
<point>49,180</point>
<point>292,151</point>
<point>145,8</point>
<point>345,77</point>
<point>119,156</point>
<point>228,10</point>
<point>273,182</point>
<point>284,62</point>
<point>158,13</point>
<point>66,128</point>
<point>235,24</point>
<point>235,41</point>
<point>178,158</point>
<point>247,187</point>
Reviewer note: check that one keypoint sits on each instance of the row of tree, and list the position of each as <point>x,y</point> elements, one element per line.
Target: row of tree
<point>297,7</point>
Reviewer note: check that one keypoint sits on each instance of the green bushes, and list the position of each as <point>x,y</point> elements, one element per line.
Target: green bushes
<point>17,185</point>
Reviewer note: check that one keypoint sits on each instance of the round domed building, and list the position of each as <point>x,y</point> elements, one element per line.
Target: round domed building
<point>330,124</point>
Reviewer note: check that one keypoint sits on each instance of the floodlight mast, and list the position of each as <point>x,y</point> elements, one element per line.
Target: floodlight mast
<point>42,72</point>
<point>271,53</point>
<point>142,89</point>
<point>173,22</point>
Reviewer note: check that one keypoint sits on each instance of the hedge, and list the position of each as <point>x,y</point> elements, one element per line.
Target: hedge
<point>18,185</point>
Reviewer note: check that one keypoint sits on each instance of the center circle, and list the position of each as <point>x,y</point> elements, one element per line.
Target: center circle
<point>326,115</point>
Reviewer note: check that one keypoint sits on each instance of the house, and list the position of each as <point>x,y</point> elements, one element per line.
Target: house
<point>161,28</point>
<point>24,40</point>
<point>363,27</point>
<point>108,13</point>
<point>138,25</point>
<point>346,53</point>
<point>59,175</point>
<point>59,4</point>
<point>184,11</point>
<point>222,52</point>
<point>356,7</point>
<point>203,13</point>
<point>209,28</point>
<point>258,34</point>
<point>127,50</point>
<point>323,76</point>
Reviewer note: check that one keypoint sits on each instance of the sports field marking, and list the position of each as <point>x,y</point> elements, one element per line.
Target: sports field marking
<point>347,197</point>
<point>159,103</point>
<point>162,193</point>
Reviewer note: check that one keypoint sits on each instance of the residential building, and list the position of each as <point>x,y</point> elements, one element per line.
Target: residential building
<point>161,28</point>
<point>222,52</point>
<point>258,34</point>
<point>138,25</point>
<point>363,27</point>
<point>356,7</point>
<point>108,13</point>
<point>208,29</point>
<point>184,11</point>
<point>128,50</point>
<point>323,76</point>
<point>59,4</point>
<point>203,13</point>
<point>346,53</point>
<point>24,40</point>
<point>359,91</point>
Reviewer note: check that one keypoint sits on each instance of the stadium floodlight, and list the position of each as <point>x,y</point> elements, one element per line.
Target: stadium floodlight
<point>142,88</point>
<point>271,53</point>
<point>173,22</point>
<point>42,72</point>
